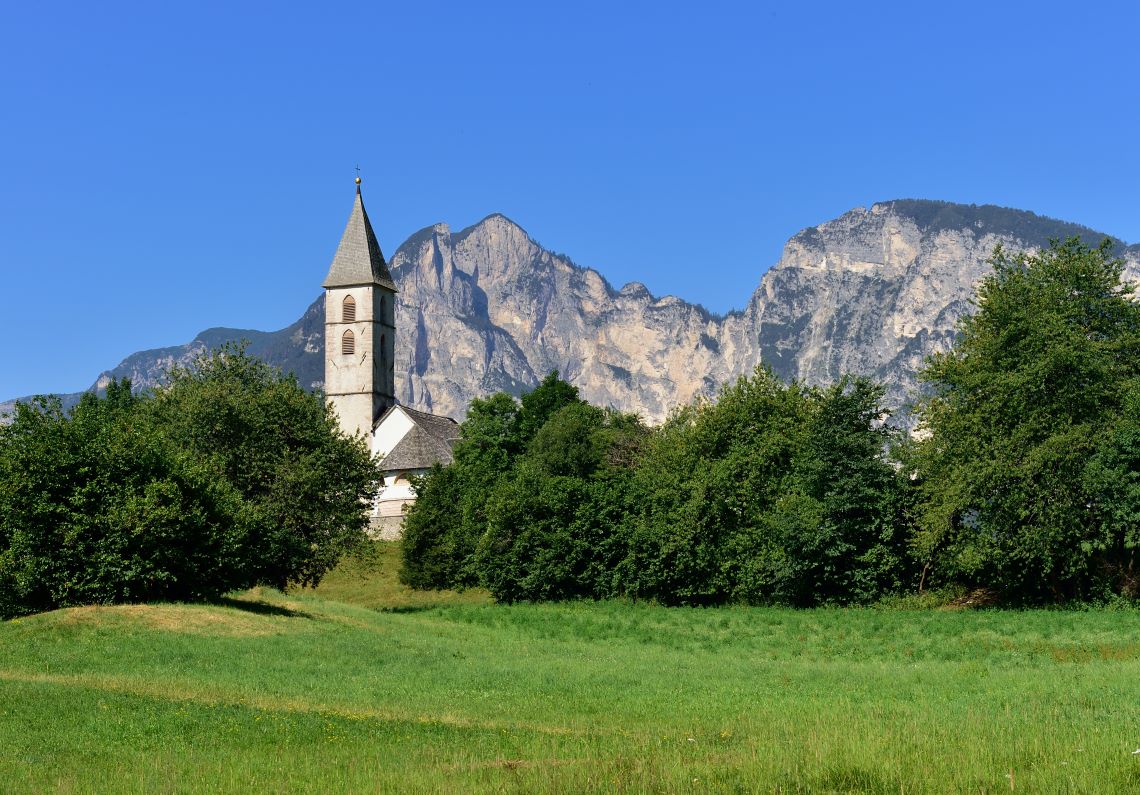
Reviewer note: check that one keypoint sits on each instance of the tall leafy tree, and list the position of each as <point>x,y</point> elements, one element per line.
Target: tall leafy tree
<point>444,524</point>
<point>449,517</point>
<point>1112,482</point>
<point>854,547</point>
<point>303,482</point>
<point>541,403</point>
<point>555,526</point>
<point>229,477</point>
<point>775,493</point>
<point>708,480</point>
<point>97,508</point>
<point>1030,394</point>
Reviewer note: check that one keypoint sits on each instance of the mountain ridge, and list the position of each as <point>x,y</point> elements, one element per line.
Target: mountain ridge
<point>871,292</point>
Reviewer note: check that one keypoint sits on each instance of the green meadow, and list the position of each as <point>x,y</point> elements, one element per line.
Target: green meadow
<point>363,686</point>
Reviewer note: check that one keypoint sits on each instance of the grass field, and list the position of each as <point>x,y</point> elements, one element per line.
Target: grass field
<point>410,692</point>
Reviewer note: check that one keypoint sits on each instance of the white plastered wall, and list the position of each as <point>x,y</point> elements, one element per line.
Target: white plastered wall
<point>390,431</point>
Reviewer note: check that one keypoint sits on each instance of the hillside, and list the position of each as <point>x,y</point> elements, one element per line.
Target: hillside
<point>299,693</point>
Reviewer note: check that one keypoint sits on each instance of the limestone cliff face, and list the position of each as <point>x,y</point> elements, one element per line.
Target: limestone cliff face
<point>876,291</point>
<point>872,292</point>
<point>488,308</point>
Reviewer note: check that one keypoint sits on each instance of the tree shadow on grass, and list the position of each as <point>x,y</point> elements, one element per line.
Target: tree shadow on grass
<point>261,608</point>
<point>406,608</point>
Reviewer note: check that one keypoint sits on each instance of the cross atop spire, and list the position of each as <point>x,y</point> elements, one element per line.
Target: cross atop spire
<point>358,258</point>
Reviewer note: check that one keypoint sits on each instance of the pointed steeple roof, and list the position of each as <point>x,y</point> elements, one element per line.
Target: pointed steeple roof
<point>358,258</point>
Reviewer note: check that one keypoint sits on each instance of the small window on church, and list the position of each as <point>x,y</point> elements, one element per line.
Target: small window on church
<point>348,343</point>
<point>349,313</point>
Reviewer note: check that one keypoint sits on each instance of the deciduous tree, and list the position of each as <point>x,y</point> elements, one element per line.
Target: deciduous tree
<point>1032,396</point>
<point>231,476</point>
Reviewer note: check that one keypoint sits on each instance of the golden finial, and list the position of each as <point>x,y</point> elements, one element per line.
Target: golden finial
<point>358,180</point>
<point>358,175</point>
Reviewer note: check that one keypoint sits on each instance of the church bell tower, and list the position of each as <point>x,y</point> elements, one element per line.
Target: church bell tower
<point>360,327</point>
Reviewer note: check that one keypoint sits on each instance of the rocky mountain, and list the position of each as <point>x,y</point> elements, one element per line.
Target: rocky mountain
<point>875,291</point>
<point>487,308</point>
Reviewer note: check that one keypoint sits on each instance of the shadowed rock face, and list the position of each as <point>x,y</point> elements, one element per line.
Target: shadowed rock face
<point>872,292</point>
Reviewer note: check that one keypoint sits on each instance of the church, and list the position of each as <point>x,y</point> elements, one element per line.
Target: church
<point>360,372</point>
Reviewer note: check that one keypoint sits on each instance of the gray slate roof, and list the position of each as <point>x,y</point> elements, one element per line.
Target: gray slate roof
<point>428,442</point>
<point>358,258</point>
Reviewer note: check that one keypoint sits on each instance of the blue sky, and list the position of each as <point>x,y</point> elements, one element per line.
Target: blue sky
<point>168,167</point>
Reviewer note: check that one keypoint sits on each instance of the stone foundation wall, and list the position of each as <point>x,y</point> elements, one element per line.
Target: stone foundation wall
<point>386,528</point>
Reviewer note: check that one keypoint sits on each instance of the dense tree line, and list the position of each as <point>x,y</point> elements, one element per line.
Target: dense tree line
<point>773,493</point>
<point>230,476</point>
<point>1024,477</point>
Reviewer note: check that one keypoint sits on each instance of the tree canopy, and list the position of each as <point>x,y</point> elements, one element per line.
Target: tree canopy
<point>444,526</point>
<point>1027,477</point>
<point>228,477</point>
<point>774,493</point>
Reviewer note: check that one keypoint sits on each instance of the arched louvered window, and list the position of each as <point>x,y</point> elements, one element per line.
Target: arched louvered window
<point>382,316</point>
<point>382,348</point>
<point>348,343</point>
<point>348,313</point>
